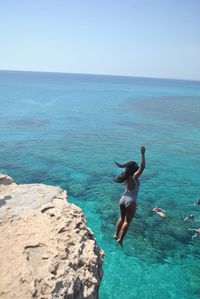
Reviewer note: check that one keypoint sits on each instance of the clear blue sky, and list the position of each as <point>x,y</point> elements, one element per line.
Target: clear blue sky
<point>150,38</point>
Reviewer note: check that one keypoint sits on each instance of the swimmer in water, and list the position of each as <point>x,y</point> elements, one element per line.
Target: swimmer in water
<point>197,232</point>
<point>127,203</point>
<point>159,211</point>
<point>189,218</point>
<point>197,203</point>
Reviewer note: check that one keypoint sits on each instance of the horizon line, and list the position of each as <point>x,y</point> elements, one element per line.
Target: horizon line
<point>110,75</point>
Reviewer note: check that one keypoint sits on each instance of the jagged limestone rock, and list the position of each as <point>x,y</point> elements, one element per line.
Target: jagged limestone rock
<point>46,249</point>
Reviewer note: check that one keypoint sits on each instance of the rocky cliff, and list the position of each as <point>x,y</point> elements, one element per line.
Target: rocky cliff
<point>46,249</point>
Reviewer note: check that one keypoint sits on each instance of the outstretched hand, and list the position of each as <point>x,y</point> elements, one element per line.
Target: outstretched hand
<point>142,149</point>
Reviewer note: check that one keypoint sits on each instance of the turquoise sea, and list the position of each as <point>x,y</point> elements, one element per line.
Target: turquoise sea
<point>67,130</point>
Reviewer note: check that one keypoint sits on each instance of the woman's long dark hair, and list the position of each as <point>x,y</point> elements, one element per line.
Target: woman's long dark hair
<point>130,168</point>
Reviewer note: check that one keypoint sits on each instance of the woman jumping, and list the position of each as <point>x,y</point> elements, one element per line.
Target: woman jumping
<point>127,203</point>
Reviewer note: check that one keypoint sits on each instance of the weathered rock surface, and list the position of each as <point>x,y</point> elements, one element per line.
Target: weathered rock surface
<point>46,249</point>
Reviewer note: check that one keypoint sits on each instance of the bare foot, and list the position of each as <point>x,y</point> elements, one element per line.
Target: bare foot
<point>116,237</point>
<point>120,242</point>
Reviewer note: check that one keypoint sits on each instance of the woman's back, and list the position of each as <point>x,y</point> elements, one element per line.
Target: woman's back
<point>131,183</point>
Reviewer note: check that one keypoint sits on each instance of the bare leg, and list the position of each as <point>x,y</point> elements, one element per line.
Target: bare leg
<point>120,222</point>
<point>129,214</point>
<point>118,228</point>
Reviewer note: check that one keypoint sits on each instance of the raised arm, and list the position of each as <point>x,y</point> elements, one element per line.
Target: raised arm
<point>142,163</point>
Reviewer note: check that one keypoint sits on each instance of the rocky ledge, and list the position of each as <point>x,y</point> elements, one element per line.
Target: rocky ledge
<point>46,249</point>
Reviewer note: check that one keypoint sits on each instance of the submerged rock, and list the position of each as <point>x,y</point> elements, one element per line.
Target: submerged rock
<point>46,249</point>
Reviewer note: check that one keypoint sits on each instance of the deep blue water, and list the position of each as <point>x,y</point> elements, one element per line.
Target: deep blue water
<point>67,130</point>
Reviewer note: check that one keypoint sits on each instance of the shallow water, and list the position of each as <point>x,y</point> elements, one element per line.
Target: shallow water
<point>67,130</point>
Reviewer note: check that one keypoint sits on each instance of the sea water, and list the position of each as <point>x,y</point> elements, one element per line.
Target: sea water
<point>68,130</point>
